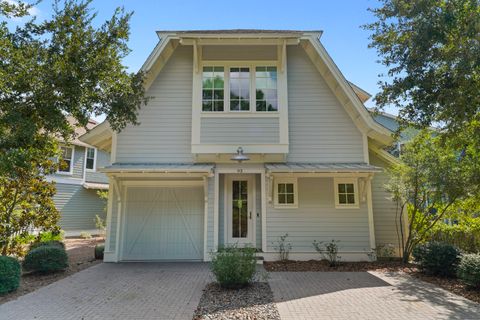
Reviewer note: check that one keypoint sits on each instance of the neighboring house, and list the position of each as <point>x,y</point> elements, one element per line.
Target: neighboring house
<point>250,135</point>
<point>77,182</point>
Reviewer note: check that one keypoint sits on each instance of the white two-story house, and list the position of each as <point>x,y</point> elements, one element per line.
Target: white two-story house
<point>250,135</point>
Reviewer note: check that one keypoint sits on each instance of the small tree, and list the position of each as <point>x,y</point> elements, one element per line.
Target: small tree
<point>430,178</point>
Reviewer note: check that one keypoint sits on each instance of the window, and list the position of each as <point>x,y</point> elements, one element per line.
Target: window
<point>346,193</point>
<point>66,160</point>
<point>212,89</point>
<point>239,89</point>
<point>266,88</point>
<point>286,193</point>
<point>90,159</point>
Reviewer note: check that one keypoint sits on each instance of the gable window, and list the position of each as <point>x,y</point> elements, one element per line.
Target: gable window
<point>213,88</point>
<point>90,159</point>
<point>266,88</point>
<point>346,193</point>
<point>66,160</point>
<point>285,193</point>
<point>239,89</point>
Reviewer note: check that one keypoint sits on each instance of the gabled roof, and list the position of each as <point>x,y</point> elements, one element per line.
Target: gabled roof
<point>350,96</point>
<point>80,131</point>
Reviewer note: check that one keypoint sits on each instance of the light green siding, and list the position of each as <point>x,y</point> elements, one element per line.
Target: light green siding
<point>320,130</point>
<point>317,219</point>
<point>103,160</point>
<point>384,209</point>
<point>239,130</point>
<point>164,133</point>
<point>230,52</point>
<point>78,207</point>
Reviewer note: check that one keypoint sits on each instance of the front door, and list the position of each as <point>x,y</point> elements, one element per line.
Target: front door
<point>240,207</point>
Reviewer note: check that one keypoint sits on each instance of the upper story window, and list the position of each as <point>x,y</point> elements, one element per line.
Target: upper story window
<point>66,160</point>
<point>90,159</point>
<point>213,89</point>
<point>229,88</point>
<point>346,193</point>
<point>266,88</point>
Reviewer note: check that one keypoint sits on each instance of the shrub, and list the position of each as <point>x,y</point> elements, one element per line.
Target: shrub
<point>45,259</point>
<point>54,243</point>
<point>99,249</point>
<point>234,267</point>
<point>469,270</point>
<point>85,235</point>
<point>437,258</point>
<point>328,251</point>
<point>51,236</point>
<point>283,247</point>
<point>9,274</point>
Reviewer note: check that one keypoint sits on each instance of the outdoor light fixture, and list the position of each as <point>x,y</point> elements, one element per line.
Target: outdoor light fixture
<point>239,156</point>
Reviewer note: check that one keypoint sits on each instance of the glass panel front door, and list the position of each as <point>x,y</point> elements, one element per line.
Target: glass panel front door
<point>240,209</point>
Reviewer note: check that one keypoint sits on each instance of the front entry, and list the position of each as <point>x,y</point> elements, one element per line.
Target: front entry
<point>240,208</point>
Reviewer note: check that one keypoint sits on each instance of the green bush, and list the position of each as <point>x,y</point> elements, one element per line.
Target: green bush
<point>437,258</point>
<point>9,274</point>
<point>51,236</point>
<point>50,243</point>
<point>46,259</point>
<point>234,267</point>
<point>99,249</point>
<point>469,270</point>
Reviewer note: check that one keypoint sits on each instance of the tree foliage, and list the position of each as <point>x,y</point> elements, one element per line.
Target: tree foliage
<point>432,51</point>
<point>430,179</point>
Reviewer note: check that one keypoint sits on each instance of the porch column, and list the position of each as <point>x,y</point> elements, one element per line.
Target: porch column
<point>264,194</point>
<point>371,226</point>
<point>118,192</point>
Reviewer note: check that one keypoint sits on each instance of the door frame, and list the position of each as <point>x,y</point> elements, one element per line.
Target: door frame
<point>250,178</point>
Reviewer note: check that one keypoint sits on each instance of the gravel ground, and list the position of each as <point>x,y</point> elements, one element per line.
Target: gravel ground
<point>80,256</point>
<point>252,302</point>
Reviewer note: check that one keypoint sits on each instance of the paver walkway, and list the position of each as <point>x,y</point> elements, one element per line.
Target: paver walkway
<point>365,295</point>
<point>117,291</point>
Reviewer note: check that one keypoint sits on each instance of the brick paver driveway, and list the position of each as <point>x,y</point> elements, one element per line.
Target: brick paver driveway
<point>117,291</point>
<point>363,295</point>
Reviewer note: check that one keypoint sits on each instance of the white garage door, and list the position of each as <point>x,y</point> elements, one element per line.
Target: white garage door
<point>164,223</point>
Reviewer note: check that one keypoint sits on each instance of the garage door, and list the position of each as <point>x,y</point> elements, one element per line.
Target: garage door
<point>164,223</point>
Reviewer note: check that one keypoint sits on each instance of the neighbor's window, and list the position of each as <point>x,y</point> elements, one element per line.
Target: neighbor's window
<point>212,89</point>
<point>90,163</point>
<point>346,193</point>
<point>266,88</point>
<point>239,89</point>
<point>66,160</point>
<point>286,192</point>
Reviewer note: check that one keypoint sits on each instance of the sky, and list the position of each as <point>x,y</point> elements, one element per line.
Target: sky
<point>340,21</point>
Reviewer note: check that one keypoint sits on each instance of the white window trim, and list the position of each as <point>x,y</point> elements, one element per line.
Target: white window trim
<point>226,88</point>
<point>354,181</point>
<point>277,205</point>
<point>69,173</point>
<point>94,159</point>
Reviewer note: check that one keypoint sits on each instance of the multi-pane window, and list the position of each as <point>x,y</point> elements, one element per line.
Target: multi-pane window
<point>346,193</point>
<point>239,89</point>
<point>90,162</point>
<point>213,89</point>
<point>285,192</point>
<point>266,88</point>
<point>66,160</point>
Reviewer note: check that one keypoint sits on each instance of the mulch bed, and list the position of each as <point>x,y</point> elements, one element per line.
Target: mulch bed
<point>449,284</point>
<point>80,256</point>
<point>252,302</point>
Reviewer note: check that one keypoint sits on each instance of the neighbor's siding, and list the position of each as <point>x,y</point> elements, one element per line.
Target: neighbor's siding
<point>384,209</point>
<point>239,130</point>
<point>103,160</point>
<point>320,130</point>
<point>317,219</point>
<point>164,135</point>
<point>223,52</point>
<point>78,207</point>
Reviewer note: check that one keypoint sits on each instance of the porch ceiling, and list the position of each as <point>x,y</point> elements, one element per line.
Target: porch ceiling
<point>321,167</point>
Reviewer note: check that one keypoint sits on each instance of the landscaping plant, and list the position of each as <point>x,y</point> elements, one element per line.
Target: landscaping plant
<point>50,243</point>
<point>46,259</point>
<point>283,247</point>
<point>437,258</point>
<point>234,267</point>
<point>9,274</point>
<point>469,270</point>
<point>328,251</point>
<point>99,250</point>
